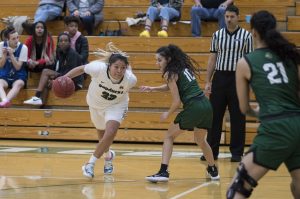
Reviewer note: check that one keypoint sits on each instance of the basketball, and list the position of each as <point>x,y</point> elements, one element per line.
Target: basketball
<point>63,87</point>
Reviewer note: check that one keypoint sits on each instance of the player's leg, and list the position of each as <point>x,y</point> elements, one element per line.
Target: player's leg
<point>163,174</point>
<point>200,139</point>
<point>97,117</point>
<point>295,184</point>
<point>248,173</point>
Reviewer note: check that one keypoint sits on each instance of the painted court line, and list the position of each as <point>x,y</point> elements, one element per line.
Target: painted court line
<point>193,189</point>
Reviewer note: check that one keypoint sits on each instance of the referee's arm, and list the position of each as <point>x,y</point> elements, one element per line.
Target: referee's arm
<point>209,71</point>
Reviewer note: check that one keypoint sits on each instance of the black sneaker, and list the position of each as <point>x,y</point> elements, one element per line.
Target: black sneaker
<point>159,177</point>
<point>212,172</point>
<point>202,158</point>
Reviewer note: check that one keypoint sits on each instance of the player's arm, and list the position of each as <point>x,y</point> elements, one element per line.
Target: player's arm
<point>243,90</point>
<point>175,96</point>
<point>75,72</point>
<point>163,87</point>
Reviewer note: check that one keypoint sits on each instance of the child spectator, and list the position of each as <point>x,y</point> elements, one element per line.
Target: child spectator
<point>78,42</point>
<point>89,12</point>
<point>13,74</point>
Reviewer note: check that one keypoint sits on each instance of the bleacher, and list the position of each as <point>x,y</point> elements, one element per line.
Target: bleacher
<point>68,119</point>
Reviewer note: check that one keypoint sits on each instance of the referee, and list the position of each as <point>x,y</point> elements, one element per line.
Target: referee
<point>227,46</point>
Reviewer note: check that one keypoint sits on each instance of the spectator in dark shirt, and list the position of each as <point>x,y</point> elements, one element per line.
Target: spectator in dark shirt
<point>66,60</point>
<point>78,42</point>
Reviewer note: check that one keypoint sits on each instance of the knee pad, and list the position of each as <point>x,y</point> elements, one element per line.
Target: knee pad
<point>239,182</point>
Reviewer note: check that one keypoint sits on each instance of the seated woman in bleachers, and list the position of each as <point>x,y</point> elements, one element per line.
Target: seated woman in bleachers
<point>78,41</point>
<point>13,74</point>
<point>165,10</point>
<point>66,60</point>
<point>40,45</point>
<point>89,12</point>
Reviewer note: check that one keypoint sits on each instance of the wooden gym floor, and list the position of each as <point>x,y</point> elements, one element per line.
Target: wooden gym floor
<point>46,170</point>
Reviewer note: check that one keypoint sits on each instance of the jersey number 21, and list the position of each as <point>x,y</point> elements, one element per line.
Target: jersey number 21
<point>273,71</point>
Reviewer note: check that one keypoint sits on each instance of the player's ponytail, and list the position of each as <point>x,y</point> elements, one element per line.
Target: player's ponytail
<point>265,24</point>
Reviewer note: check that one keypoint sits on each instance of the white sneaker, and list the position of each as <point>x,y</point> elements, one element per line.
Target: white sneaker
<point>88,170</point>
<point>34,101</point>
<point>108,166</point>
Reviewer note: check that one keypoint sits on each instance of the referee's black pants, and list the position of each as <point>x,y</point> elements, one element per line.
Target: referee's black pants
<point>223,95</point>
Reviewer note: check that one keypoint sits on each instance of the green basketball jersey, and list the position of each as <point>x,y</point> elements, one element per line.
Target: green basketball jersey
<point>274,82</point>
<point>187,86</point>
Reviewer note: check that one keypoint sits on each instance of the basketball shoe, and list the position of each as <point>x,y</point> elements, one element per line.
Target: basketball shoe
<point>145,33</point>
<point>108,165</point>
<point>212,172</point>
<point>159,177</point>
<point>34,101</point>
<point>162,33</point>
<point>88,170</point>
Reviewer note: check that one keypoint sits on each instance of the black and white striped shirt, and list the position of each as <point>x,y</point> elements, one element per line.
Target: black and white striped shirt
<point>230,47</point>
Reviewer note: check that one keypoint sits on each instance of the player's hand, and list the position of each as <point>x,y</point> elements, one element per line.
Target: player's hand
<point>164,116</point>
<point>207,90</point>
<point>146,89</point>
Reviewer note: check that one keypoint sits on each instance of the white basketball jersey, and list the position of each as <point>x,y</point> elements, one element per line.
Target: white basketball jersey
<point>102,91</point>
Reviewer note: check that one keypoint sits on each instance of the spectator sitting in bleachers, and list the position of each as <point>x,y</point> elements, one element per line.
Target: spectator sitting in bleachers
<point>66,60</point>
<point>47,10</point>
<point>78,41</point>
<point>208,10</point>
<point>89,12</point>
<point>165,10</point>
<point>40,48</point>
<point>13,74</point>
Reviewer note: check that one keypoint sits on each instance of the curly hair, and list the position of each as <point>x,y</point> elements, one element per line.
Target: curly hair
<point>178,61</point>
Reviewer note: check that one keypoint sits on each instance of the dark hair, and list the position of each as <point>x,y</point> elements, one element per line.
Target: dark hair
<point>178,61</point>
<point>45,34</point>
<point>115,57</point>
<point>64,33</point>
<point>233,8</point>
<point>58,50</point>
<point>70,19</point>
<point>6,32</point>
<point>265,24</point>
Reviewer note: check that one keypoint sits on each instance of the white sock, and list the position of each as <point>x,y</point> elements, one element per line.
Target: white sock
<point>93,159</point>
